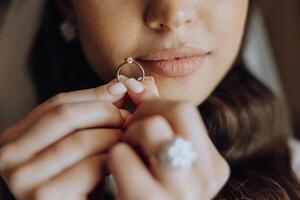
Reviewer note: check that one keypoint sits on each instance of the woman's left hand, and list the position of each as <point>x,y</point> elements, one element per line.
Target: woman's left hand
<point>153,125</point>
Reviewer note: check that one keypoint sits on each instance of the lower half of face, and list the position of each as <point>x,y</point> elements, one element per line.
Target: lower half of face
<point>205,36</point>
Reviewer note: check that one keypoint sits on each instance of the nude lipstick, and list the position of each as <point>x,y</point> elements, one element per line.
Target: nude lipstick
<point>174,62</point>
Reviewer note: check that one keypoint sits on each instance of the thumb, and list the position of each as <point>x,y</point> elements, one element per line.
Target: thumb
<point>148,92</point>
<point>120,103</point>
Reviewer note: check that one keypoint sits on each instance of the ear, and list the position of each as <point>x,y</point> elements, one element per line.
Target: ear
<point>67,9</point>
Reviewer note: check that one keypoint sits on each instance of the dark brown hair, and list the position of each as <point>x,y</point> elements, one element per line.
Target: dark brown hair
<point>248,124</point>
<point>245,120</point>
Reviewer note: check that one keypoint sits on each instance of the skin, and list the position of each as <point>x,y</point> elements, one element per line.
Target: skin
<point>89,129</point>
<point>216,26</point>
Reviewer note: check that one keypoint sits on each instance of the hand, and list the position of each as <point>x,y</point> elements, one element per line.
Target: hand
<point>151,126</point>
<point>57,151</point>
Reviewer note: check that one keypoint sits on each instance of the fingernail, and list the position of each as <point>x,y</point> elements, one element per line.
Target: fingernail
<point>117,89</point>
<point>123,78</point>
<point>134,86</point>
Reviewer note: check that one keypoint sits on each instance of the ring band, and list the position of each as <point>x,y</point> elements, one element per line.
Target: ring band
<point>130,60</point>
<point>178,153</point>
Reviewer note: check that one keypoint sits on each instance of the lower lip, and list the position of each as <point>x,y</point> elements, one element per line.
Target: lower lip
<point>174,68</point>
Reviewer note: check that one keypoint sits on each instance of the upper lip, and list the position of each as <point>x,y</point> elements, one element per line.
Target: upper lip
<point>173,53</point>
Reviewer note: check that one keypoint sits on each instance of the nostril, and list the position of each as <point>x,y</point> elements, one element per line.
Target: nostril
<point>189,21</point>
<point>161,26</point>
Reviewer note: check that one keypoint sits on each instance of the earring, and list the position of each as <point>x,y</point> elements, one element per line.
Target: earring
<point>68,31</point>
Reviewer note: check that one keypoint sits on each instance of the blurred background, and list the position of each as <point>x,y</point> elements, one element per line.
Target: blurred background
<point>282,22</point>
<point>273,54</point>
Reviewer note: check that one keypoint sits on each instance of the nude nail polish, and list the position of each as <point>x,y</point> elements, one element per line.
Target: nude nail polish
<point>134,86</point>
<point>117,89</point>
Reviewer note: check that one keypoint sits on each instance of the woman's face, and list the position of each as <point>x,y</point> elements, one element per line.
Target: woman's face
<point>209,33</point>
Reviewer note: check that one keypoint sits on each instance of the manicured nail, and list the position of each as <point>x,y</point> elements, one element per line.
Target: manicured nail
<point>134,86</point>
<point>123,78</point>
<point>117,89</point>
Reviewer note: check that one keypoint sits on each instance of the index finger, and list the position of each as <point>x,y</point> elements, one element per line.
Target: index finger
<point>112,92</point>
<point>106,92</point>
<point>130,172</point>
<point>183,117</point>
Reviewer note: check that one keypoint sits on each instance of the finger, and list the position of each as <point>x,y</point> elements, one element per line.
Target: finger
<point>110,92</point>
<point>61,156</point>
<point>151,134</point>
<point>140,92</point>
<point>130,172</point>
<point>186,122</point>
<point>125,114</point>
<point>183,117</point>
<point>113,92</point>
<point>120,104</point>
<point>74,183</point>
<point>57,124</point>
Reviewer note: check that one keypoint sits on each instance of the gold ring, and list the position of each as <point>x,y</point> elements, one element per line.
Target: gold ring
<point>130,60</point>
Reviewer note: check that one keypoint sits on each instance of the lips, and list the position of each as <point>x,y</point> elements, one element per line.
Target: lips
<point>174,62</point>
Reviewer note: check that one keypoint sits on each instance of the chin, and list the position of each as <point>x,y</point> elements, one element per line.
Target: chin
<point>180,90</point>
<point>179,96</point>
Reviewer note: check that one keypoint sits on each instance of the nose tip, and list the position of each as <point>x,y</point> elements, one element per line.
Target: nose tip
<point>171,15</point>
<point>171,23</point>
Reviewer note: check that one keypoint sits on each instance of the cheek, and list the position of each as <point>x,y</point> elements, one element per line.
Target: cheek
<point>106,33</point>
<point>228,27</point>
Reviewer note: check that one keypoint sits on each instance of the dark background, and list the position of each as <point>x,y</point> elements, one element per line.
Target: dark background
<point>282,19</point>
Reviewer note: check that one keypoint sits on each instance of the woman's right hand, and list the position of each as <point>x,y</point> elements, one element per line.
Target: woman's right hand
<point>57,150</point>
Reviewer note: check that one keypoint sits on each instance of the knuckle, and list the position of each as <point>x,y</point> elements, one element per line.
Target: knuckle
<point>116,150</point>
<point>151,124</point>
<point>65,111</point>
<point>153,131</point>
<point>155,119</point>
<point>157,132</point>
<point>57,99</point>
